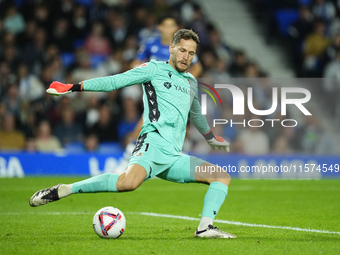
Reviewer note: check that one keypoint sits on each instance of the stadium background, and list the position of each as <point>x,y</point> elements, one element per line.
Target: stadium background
<point>70,41</point>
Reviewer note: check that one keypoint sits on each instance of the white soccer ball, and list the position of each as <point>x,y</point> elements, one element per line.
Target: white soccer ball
<point>109,222</point>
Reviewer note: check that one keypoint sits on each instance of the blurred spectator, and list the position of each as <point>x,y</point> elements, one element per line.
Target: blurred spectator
<point>112,65</point>
<point>209,59</point>
<point>29,125</point>
<point>159,7</point>
<point>238,66</point>
<point>10,57</point>
<point>91,143</point>
<point>96,43</point>
<point>281,146</point>
<point>324,9</point>
<point>6,78</point>
<point>314,45</point>
<point>314,139</point>
<point>14,21</point>
<point>68,130</point>
<point>64,8</point>
<point>91,115</point>
<point>220,72</point>
<point>330,53</point>
<point>62,36</point>
<point>43,17</point>
<point>131,95</point>
<point>10,138</point>
<point>33,52</point>
<point>83,70</point>
<point>30,145</point>
<point>187,11</point>
<point>97,10</point>
<point>332,83</point>
<point>303,26</point>
<point>12,100</point>
<point>30,87</point>
<point>221,49</point>
<point>79,22</point>
<point>254,141</point>
<point>129,51</point>
<point>150,30</point>
<point>106,127</point>
<point>118,29</point>
<point>45,141</point>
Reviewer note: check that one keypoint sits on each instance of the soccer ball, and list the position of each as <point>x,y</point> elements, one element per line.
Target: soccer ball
<point>109,222</point>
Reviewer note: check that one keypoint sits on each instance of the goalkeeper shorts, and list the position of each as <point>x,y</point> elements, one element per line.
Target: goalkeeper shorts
<point>159,158</point>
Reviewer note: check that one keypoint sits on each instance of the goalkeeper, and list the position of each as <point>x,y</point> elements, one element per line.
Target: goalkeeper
<point>170,97</point>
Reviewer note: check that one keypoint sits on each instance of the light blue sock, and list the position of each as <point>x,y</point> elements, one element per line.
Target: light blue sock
<point>214,199</point>
<point>100,183</point>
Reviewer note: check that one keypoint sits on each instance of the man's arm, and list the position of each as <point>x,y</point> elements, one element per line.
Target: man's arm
<point>201,124</point>
<point>134,76</point>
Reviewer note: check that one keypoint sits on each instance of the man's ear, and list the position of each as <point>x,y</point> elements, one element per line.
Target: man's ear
<point>171,47</point>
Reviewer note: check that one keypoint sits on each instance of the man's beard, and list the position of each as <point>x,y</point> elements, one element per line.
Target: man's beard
<point>175,64</point>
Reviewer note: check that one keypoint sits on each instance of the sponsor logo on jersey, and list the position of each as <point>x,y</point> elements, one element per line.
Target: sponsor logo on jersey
<point>170,74</point>
<point>184,90</point>
<point>167,85</point>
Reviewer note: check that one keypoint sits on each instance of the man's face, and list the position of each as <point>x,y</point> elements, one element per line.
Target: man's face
<point>168,27</point>
<point>182,54</point>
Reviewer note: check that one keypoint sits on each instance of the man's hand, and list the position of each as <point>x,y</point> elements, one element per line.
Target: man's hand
<point>219,143</point>
<point>57,88</point>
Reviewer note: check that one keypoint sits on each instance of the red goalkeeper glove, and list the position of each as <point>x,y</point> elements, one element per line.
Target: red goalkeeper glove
<point>57,88</point>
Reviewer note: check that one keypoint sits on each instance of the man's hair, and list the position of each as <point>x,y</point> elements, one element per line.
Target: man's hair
<point>185,34</point>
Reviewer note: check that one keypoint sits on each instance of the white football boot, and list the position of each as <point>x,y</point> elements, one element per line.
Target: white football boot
<point>213,232</point>
<point>45,196</point>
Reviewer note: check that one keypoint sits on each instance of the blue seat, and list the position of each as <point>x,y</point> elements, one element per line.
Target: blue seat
<point>78,43</point>
<point>305,2</point>
<point>84,2</point>
<point>96,60</point>
<point>284,18</point>
<point>67,58</point>
<point>74,148</point>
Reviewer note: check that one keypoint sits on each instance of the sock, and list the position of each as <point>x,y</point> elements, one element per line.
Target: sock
<point>213,201</point>
<point>204,223</point>
<point>64,190</point>
<point>100,183</point>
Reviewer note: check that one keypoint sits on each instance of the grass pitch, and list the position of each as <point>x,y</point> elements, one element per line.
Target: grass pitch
<point>65,227</point>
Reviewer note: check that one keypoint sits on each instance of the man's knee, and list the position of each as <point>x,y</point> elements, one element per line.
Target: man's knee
<point>128,184</point>
<point>221,177</point>
<point>131,179</point>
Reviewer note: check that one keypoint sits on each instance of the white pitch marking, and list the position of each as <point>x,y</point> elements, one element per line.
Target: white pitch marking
<point>185,218</point>
<point>239,223</point>
<point>46,213</point>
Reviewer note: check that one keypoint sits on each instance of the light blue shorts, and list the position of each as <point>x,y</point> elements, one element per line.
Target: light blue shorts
<point>159,158</point>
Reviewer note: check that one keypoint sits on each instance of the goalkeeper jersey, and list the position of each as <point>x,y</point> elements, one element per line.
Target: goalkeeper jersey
<point>169,98</point>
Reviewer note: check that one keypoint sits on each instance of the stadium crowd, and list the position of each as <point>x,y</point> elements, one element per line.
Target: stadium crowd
<point>70,41</point>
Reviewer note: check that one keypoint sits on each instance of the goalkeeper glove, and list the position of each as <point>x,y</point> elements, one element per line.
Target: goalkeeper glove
<point>216,142</point>
<point>57,88</point>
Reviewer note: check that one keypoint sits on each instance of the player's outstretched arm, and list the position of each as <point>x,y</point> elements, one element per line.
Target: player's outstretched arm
<point>140,74</point>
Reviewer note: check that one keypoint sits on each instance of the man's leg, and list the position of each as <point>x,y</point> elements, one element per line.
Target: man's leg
<point>218,189</point>
<point>127,181</point>
<point>186,170</point>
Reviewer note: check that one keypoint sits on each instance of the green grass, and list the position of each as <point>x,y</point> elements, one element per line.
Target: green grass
<point>313,204</point>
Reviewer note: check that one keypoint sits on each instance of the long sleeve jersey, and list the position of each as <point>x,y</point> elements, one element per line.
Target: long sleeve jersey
<point>169,98</point>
